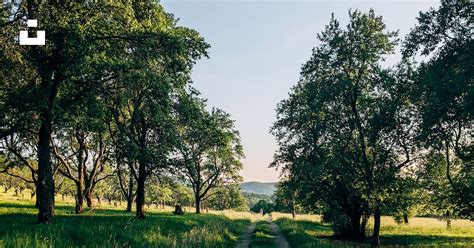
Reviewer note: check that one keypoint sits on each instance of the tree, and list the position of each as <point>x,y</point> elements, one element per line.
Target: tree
<point>441,200</point>
<point>209,148</point>
<point>18,160</point>
<point>253,198</point>
<point>160,193</point>
<point>182,194</point>
<point>126,181</point>
<point>142,102</point>
<point>228,197</point>
<point>443,92</point>
<point>267,207</point>
<point>126,42</point>
<point>286,198</point>
<point>49,83</point>
<point>83,151</point>
<point>64,186</point>
<point>347,129</point>
<point>410,197</point>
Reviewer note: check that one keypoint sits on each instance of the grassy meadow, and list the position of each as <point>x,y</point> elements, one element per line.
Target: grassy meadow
<point>308,231</point>
<point>108,225</point>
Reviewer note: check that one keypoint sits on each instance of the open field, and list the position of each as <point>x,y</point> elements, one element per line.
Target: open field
<point>307,231</point>
<point>111,226</point>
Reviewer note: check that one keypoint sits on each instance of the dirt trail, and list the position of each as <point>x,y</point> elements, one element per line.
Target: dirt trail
<point>246,238</point>
<point>280,240</point>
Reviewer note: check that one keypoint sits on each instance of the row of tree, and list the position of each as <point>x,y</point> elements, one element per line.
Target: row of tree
<point>108,98</point>
<point>357,139</point>
<point>161,191</point>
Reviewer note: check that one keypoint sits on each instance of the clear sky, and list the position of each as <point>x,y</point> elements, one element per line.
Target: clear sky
<point>257,49</point>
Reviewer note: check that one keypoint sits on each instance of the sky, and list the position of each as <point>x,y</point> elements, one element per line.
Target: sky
<point>257,49</point>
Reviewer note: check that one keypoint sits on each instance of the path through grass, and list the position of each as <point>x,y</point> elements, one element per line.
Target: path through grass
<point>267,234</point>
<point>263,236</point>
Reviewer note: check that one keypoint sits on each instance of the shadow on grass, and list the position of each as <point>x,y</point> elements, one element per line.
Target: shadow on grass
<point>308,234</point>
<point>109,227</point>
<point>423,239</point>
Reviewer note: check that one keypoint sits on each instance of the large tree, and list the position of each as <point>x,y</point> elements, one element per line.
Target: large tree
<point>142,101</point>
<point>82,157</point>
<point>444,92</point>
<point>91,48</point>
<point>346,130</point>
<point>209,150</point>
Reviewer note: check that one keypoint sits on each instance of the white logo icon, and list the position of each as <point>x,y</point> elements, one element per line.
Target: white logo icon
<point>31,41</point>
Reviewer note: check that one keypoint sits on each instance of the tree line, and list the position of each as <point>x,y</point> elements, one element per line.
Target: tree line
<point>359,139</point>
<point>109,102</point>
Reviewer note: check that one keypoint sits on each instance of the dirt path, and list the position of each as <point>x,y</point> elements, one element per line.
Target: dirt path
<point>280,240</point>
<point>246,238</point>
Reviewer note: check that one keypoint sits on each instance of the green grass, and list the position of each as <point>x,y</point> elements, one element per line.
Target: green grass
<point>262,236</point>
<point>305,233</point>
<point>114,227</point>
<point>109,226</point>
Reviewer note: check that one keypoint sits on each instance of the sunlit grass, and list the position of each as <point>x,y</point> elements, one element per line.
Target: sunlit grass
<point>234,215</point>
<point>307,231</point>
<point>109,225</point>
<point>307,217</point>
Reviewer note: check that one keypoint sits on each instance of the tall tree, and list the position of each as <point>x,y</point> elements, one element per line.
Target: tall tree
<point>444,91</point>
<point>80,57</point>
<point>209,149</point>
<point>19,152</point>
<point>82,157</point>
<point>228,197</point>
<point>347,128</point>
<point>126,180</point>
<point>142,101</point>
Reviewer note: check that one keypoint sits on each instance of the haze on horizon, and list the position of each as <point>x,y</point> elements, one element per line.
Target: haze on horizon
<point>257,49</point>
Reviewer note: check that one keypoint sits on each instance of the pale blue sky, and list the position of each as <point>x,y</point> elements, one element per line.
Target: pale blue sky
<point>257,49</point>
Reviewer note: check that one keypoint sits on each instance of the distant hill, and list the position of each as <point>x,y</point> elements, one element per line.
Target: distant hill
<point>259,188</point>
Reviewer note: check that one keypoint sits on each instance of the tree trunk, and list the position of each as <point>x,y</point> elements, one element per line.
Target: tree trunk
<point>355,232</point>
<point>448,219</point>
<point>89,199</point>
<point>130,197</point>
<point>140,200</point>
<point>198,203</point>
<point>79,196</point>
<point>79,203</point>
<point>45,185</point>
<point>405,218</point>
<point>376,235</point>
<point>129,204</point>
